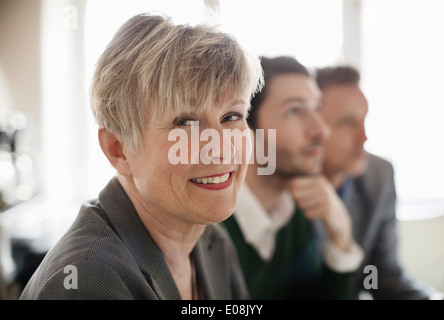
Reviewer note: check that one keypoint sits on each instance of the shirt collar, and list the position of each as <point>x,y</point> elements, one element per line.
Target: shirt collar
<point>258,226</point>
<point>342,191</point>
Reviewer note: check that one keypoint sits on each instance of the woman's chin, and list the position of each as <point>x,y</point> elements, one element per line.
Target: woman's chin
<point>212,216</point>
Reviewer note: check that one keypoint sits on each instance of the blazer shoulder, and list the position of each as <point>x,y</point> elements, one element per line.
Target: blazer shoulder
<point>93,252</point>
<point>377,164</point>
<point>378,173</point>
<point>81,280</point>
<point>378,179</point>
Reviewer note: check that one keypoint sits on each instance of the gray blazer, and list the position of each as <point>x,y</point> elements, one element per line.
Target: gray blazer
<point>108,254</point>
<point>371,202</point>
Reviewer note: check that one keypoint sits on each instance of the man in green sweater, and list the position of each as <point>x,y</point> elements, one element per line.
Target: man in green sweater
<point>273,225</point>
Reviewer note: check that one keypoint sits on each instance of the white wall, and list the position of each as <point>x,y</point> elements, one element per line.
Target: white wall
<point>20,66</point>
<point>421,249</point>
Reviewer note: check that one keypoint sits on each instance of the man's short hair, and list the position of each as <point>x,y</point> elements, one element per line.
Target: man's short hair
<point>273,67</point>
<point>152,66</point>
<point>339,75</point>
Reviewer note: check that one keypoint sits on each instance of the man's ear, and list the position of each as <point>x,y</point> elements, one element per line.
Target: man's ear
<point>113,150</point>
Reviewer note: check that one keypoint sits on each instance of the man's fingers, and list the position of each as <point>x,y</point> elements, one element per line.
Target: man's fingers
<point>315,212</point>
<point>301,194</point>
<point>304,182</point>
<point>304,187</point>
<point>308,201</point>
<point>309,190</point>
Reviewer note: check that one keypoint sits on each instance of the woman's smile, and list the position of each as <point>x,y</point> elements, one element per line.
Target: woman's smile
<point>214,182</point>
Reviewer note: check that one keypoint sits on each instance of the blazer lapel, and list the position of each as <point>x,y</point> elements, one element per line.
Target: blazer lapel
<point>361,208</point>
<point>210,267</point>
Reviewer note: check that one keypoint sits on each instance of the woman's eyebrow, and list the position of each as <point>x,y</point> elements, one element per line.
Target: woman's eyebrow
<point>234,102</point>
<point>184,115</point>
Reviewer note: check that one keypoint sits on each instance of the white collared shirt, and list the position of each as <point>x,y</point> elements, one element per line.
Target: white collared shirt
<point>260,228</point>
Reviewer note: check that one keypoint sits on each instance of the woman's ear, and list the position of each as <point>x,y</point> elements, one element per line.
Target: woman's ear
<point>113,150</point>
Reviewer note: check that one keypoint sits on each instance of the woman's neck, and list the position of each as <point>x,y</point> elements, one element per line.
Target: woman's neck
<point>174,237</point>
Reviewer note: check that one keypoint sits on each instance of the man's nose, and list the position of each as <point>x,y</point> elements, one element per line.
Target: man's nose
<point>317,127</point>
<point>361,135</point>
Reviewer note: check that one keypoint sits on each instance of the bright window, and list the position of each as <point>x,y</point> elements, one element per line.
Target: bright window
<point>309,30</point>
<point>403,67</point>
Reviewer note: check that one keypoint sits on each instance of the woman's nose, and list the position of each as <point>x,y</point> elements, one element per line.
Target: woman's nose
<point>216,147</point>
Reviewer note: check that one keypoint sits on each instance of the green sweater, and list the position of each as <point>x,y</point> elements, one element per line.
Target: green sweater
<point>296,269</point>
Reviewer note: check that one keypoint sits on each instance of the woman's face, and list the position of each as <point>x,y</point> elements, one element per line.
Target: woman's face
<point>178,192</point>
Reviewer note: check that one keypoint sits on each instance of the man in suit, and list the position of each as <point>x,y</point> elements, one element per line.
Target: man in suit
<point>366,184</point>
<point>272,227</point>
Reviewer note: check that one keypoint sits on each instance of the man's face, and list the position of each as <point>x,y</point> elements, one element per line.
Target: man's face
<point>291,107</point>
<point>344,108</point>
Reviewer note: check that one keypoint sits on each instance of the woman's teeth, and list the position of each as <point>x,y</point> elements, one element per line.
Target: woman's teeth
<point>215,180</point>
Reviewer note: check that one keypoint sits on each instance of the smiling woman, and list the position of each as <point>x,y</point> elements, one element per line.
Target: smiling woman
<point>149,235</point>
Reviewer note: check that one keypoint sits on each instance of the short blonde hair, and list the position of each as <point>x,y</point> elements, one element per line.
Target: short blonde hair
<point>151,63</point>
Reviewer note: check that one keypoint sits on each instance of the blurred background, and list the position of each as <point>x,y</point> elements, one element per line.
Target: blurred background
<point>50,160</point>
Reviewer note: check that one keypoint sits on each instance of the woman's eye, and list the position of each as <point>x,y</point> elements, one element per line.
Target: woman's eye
<point>185,122</point>
<point>233,117</point>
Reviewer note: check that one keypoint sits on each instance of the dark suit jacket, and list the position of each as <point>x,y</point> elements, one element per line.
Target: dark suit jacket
<point>371,202</point>
<point>116,258</point>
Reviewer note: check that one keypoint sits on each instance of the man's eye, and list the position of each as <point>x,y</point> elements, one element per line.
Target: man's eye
<point>232,117</point>
<point>346,122</point>
<point>293,111</point>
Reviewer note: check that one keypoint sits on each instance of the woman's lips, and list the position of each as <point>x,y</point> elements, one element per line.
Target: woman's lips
<point>214,182</point>
<point>214,175</point>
